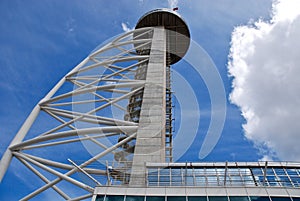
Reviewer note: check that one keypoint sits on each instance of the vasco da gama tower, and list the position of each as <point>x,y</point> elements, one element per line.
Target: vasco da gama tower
<point>106,130</point>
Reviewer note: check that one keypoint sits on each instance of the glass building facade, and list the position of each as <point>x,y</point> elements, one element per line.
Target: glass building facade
<point>229,181</point>
<point>193,198</point>
<point>233,174</point>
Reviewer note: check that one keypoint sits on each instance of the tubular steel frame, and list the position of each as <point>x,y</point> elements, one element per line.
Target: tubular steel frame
<point>105,79</point>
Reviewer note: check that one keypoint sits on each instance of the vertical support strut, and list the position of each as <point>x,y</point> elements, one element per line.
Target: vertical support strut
<point>7,156</point>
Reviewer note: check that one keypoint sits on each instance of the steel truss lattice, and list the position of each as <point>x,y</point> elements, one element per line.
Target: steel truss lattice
<point>88,106</point>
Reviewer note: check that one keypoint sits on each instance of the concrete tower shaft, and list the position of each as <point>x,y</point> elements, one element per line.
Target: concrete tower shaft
<point>170,41</point>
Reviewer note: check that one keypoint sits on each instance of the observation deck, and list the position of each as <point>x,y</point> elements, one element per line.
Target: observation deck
<point>178,35</point>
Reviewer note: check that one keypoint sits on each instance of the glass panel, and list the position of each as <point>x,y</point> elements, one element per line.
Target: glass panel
<point>176,180</point>
<point>176,171</point>
<point>212,180</point>
<point>231,171</point>
<point>164,178</point>
<point>164,172</point>
<point>135,198</point>
<point>189,180</point>
<point>114,198</point>
<point>291,172</point>
<point>257,171</point>
<point>155,198</point>
<point>150,170</point>
<point>152,177</point>
<point>238,198</point>
<point>217,198</point>
<point>236,180</point>
<point>211,171</point>
<point>189,172</point>
<point>280,199</point>
<point>152,173</point>
<point>270,171</point>
<point>259,199</point>
<point>245,171</point>
<point>153,183</point>
<point>199,171</point>
<point>100,198</point>
<point>296,199</point>
<point>200,181</point>
<point>176,198</point>
<point>296,181</point>
<point>285,181</point>
<point>279,171</point>
<point>197,198</point>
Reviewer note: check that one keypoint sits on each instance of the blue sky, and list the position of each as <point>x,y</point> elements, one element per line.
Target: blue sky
<point>43,40</point>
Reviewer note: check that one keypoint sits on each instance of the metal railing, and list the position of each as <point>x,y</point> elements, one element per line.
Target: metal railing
<point>273,174</point>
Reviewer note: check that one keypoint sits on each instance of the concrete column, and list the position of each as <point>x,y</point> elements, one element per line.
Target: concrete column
<point>150,140</point>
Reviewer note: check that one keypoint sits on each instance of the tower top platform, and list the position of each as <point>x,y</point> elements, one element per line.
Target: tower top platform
<point>178,36</point>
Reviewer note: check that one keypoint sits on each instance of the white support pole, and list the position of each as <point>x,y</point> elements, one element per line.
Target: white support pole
<point>84,172</point>
<point>103,99</point>
<point>74,103</point>
<point>70,141</point>
<point>131,58</point>
<point>111,45</point>
<point>93,111</point>
<point>89,116</point>
<point>7,156</point>
<point>70,133</point>
<point>42,177</point>
<point>59,119</point>
<point>90,138</point>
<point>98,95</point>
<point>91,89</point>
<point>45,187</point>
<point>62,165</point>
<point>56,173</point>
<point>83,197</point>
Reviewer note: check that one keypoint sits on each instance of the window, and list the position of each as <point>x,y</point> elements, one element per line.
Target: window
<point>197,198</point>
<point>280,199</point>
<point>155,198</point>
<point>134,198</point>
<point>259,198</point>
<point>100,198</point>
<point>238,198</point>
<point>217,198</point>
<point>176,198</point>
<point>114,198</point>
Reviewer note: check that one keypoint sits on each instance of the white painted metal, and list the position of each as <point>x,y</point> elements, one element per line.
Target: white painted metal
<point>106,80</point>
<point>43,178</point>
<point>96,130</point>
<point>84,172</point>
<point>93,159</point>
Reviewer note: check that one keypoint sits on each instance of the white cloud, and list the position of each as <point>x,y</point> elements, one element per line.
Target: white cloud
<point>266,158</point>
<point>285,10</point>
<point>125,27</point>
<point>172,3</point>
<point>264,62</point>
